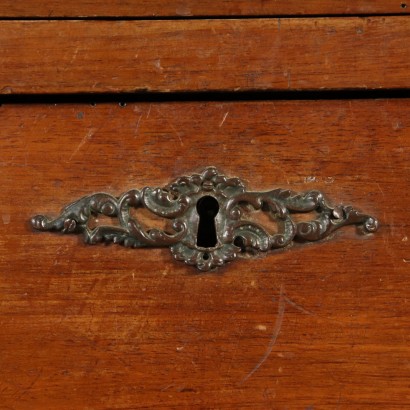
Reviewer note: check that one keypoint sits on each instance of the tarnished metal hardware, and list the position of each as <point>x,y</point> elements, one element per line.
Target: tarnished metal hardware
<point>210,217</point>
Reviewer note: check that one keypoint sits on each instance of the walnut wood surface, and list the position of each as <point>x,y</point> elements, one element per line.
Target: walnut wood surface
<point>186,8</point>
<point>203,55</point>
<point>321,326</point>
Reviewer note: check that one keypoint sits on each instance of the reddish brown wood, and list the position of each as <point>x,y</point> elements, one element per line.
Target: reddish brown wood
<point>317,326</point>
<point>265,54</point>
<point>185,8</point>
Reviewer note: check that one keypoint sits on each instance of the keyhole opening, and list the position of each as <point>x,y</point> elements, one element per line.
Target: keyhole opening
<point>207,208</point>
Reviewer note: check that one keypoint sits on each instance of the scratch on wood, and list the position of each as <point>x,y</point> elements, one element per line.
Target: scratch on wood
<point>86,138</point>
<point>223,119</point>
<point>298,307</point>
<point>74,57</point>
<point>275,334</point>
<point>289,77</point>
<point>173,128</point>
<point>149,111</point>
<point>138,124</point>
<point>380,189</point>
<point>165,388</point>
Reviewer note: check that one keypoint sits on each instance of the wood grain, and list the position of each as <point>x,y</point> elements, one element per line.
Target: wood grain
<point>323,326</point>
<point>186,8</point>
<point>204,55</point>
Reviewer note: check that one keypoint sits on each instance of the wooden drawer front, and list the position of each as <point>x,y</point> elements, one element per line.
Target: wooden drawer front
<point>204,55</point>
<point>313,326</point>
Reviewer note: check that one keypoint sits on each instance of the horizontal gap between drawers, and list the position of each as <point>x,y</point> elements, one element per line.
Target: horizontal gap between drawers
<point>122,98</point>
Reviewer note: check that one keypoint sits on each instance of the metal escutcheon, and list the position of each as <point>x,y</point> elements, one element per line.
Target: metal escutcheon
<point>210,219</point>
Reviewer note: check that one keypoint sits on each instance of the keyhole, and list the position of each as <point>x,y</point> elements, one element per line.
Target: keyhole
<point>207,208</point>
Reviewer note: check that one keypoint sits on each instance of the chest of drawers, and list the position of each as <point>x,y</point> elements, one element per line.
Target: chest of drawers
<point>109,97</point>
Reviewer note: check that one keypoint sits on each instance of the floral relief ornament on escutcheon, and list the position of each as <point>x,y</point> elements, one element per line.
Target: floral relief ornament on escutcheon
<point>210,219</point>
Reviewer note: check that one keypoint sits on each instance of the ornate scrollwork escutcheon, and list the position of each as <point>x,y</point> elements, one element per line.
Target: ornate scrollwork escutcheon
<point>209,218</point>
